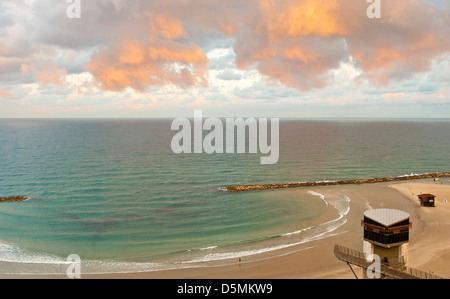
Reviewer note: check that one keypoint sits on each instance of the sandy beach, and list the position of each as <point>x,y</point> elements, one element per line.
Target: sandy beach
<point>429,239</point>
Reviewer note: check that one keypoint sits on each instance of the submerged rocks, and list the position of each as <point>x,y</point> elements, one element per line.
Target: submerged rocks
<point>242,188</point>
<point>13,198</point>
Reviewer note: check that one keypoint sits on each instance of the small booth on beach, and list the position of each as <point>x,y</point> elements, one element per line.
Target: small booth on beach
<point>427,200</point>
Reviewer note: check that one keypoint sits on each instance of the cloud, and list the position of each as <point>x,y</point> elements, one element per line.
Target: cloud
<point>405,41</point>
<point>5,94</point>
<point>258,49</point>
<point>299,42</point>
<point>299,19</point>
<point>295,42</point>
<point>46,73</point>
<point>229,75</point>
<point>138,64</point>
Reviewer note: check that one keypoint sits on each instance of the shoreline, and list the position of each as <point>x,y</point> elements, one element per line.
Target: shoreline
<point>257,187</point>
<point>429,241</point>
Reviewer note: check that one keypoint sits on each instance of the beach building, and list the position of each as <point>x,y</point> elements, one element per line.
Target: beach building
<point>386,234</point>
<point>385,247</point>
<point>427,200</point>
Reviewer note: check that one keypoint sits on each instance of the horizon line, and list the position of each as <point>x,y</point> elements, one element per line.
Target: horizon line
<point>224,117</point>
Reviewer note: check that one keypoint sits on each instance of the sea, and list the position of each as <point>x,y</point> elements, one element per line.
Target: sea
<point>113,192</point>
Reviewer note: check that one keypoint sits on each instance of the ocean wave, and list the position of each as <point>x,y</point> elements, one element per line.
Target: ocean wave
<point>298,231</point>
<point>15,260</point>
<point>343,206</point>
<point>319,195</point>
<point>209,247</point>
<point>244,253</point>
<point>236,254</point>
<point>15,254</point>
<point>320,231</point>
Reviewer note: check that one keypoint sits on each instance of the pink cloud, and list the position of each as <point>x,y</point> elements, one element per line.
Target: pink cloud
<point>5,94</point>
<point>46,73</point>
<point>298,41</point>
<point>405,41</point>
<point>295,42</point>
<point>138,64</point>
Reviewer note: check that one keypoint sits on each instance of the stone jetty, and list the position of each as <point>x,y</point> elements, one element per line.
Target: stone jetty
<point>243,188</point>
<point>13,198</point>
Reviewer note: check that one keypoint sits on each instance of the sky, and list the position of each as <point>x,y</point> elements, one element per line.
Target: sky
<point>234,58</point>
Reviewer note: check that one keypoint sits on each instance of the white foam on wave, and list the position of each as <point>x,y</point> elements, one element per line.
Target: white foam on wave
<point>15,254</point>
<point>412,175</point>
<point>209,247</point>
<point>237,254</point>
<point>298,231</point>
<point>324,230</point>
<point>243,253</point>
<point>319,195</point>
<point>15,260</point>
<point>310,227</point>
<point>342,206</point>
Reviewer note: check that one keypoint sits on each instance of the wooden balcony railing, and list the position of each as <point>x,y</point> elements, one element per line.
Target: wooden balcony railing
<point>358,258</point>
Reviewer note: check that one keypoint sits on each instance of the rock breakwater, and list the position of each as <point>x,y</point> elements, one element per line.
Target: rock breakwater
<point>244,188</point>
<point>13,198</point>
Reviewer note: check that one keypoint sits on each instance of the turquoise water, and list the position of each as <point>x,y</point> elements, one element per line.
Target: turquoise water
<point>113,190</point>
